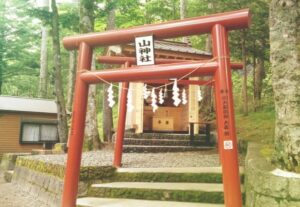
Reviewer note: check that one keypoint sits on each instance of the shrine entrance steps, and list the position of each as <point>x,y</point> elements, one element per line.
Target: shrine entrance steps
<point>163,142</point>
<point>158,187</point>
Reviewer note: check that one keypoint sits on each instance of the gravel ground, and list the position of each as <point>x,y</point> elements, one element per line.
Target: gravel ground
<point>12,196</point>
<point>174,159</point>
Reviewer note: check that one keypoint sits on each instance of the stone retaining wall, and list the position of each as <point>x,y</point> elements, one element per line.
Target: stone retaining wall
<point>8,160</point>
<point>45,180</point>
<point>43,187</point>
<point>265,187</point>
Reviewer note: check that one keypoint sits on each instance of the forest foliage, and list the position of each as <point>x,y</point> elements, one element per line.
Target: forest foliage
<point>20,36</point>
<point>20,40</point>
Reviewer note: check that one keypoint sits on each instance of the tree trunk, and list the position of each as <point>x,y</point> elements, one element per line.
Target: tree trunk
<point>91,127</point>
<point>43,64</point>
<point>2,42</point>
<point>92,139</point>
<point>1,63</point>
<point>207,104</point>
<point>71,79</point>
<point>1,69</point>
<point>244,87</point>
<point>253,73</point>
<point>183,7</point>
<point>107,111</point>
<point>285,63</point>
<point>258,84</point>
<point>60,101</point>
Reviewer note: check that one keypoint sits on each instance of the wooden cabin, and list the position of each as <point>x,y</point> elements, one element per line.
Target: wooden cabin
<point>26,124</point>
<point>168,118</point>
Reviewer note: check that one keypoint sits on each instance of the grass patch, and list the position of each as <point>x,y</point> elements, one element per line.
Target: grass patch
<point>169,177</point>
<point>257,126</point>
<point>157,194</point>
<point>267,152</point>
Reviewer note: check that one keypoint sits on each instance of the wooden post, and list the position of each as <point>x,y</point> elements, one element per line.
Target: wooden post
<point>121,123</point>
<point>193,106</point>
<point>225,119</point>
<point>77,129</point>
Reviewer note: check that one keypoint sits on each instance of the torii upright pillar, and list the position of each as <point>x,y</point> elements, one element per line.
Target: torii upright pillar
<point>121,122</point>
<point>77,128</point>
<point>225,118</point>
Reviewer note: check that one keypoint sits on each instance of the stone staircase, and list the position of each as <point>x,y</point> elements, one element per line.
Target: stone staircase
<point>162,142</point>
<point>158,187</point>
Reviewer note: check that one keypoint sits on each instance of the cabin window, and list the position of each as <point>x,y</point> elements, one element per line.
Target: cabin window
<point>38,133</point>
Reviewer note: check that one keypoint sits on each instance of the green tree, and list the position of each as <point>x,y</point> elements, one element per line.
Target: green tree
<point>43,63</point>
<point>71,80</point>
<point>2,41</point>
<point>59,95</point>
<point>107,118</point>
<point>159,11</point>
<point>19,59</point>
<point>91,129</point>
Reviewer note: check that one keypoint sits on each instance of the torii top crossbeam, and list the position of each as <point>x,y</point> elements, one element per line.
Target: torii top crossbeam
<point>220,68</point>
<point>199,25</point>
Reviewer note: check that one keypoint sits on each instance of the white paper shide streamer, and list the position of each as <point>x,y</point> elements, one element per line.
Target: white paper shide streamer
<point>146,92</point>
<point>110,97</point>
<point>130,106</point>
<point>161,96</point>
<point>199,94</point>
<point>176,93</point>
<point>183,95</point>
<point>154,101</point>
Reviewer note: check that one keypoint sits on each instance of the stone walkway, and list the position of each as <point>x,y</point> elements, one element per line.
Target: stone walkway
<point>12,196</point>
<point>172,159</point>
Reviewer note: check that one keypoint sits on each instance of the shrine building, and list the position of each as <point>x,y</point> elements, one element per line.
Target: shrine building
<point>168,117</point>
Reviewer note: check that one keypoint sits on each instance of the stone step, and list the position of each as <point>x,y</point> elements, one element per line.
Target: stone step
<point>154,149</point>
<point>163,136</point>
<point>163,186</point>
<point>196,170</point>
<point>188,174</point>
<point>111,202</point>
<point>186,192</point>
<point>163,142</point>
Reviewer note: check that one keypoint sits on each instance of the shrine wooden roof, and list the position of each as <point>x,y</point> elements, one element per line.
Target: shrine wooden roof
<point>179,47</point>
<point>171,50</point>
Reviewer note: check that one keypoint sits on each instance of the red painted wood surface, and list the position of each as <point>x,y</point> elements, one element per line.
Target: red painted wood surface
<point>225,119</point>
<point>178,28</point>
<point>77,129</point>
<point>121,122</point>
<point>132,60</point>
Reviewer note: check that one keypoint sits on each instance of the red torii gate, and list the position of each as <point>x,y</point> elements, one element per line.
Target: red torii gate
<point>220,68</point>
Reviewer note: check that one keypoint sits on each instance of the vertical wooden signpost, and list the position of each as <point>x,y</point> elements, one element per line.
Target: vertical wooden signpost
<point>219,68</point>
